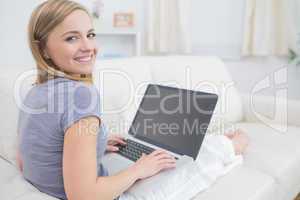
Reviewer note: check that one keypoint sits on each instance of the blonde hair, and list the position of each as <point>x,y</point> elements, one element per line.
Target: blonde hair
<point>43,20</point>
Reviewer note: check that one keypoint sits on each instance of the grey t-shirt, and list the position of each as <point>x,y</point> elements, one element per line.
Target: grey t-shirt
<point>48,110</point>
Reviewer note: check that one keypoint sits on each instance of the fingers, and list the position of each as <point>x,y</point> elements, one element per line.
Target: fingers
<point>112,148</point>
<point>120,141</point>
<point>162,155</point>
<point>166,165</point>
<point>155,162</point>
<point>116,139</point>
<point>157,152</point>
<point>159,155</point>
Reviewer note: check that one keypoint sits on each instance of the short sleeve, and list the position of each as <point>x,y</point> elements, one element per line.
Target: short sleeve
<point>80,101</point>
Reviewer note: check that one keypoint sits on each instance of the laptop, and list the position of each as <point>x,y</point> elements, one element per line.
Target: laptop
<point>168,118</point>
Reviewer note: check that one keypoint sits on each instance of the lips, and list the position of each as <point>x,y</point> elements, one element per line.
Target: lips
<point>84,59</point>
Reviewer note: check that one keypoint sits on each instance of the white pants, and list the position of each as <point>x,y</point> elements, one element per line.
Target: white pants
<point>215,159</point>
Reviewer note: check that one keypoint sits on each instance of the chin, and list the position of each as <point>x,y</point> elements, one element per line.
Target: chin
<point>83,68</point>
<point>89,69</point>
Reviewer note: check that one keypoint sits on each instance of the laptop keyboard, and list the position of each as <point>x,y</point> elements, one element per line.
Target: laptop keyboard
<point>133,150</point>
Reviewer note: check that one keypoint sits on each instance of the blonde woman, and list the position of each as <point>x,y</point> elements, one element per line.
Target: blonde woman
<point>61,146</point>
<point>61,136</point>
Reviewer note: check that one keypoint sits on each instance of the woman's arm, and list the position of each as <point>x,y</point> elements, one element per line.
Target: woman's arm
<point>80,165</point>
<point>19,161</point>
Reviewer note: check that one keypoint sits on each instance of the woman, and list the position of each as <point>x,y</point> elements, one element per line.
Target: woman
<point>61,137</point>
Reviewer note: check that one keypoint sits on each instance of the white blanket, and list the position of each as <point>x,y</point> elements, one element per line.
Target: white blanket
<point>215,159</point>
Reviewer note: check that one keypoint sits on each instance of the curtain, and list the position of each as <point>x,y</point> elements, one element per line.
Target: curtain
<point>168,26</point>
<point>296,16</point>
<point>269,28</point>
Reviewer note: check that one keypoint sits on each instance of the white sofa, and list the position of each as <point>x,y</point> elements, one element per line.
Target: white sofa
<point>271,164</point>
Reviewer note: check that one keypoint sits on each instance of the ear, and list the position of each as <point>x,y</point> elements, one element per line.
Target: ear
<point>44,49</point>
<point>45,54</point>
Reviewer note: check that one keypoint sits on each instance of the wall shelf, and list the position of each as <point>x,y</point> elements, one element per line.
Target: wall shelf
<point>118,43</point>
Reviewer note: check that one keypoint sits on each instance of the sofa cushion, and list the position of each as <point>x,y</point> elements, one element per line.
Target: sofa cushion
<point>14,84</point>
<point>14,186</point>
<point>122,84</point>
<point>276,154</point>
<point>8,134</point>
<point>242,183</point>
<point>207,74</point>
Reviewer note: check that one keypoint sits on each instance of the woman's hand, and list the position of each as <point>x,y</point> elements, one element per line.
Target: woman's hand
<point>113,142</point>
<point>149,165</point>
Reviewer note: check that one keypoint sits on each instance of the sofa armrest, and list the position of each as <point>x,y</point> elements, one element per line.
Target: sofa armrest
<point>271,110</point>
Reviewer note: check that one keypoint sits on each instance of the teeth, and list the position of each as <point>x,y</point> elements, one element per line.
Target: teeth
<point>84,59</point>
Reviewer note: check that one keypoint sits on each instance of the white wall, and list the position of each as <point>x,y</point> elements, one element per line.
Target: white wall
<point>105,24</point>
<point>14,16</point>
<point>112,6</point>
<point>216,26</point>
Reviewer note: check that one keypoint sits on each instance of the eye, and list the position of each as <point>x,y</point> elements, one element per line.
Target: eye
<point>71,38</point>
<point>91,35</point>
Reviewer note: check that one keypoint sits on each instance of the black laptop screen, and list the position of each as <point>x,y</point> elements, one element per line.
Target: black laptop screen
<point>174,119</point>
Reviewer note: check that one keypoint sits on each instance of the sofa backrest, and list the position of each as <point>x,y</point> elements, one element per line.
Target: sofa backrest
<point>122,83</point>
<point>190,72</point>
<point>208,74</point>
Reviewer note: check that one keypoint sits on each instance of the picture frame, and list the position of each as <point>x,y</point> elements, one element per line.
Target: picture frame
<point>123,19</point>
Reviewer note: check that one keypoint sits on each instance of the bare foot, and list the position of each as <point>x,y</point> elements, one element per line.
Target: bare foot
<point>239,140</point>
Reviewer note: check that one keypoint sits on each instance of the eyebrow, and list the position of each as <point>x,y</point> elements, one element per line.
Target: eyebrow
<point>77,32</point>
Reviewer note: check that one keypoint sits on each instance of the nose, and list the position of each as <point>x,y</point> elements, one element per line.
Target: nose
<point>87,45</point>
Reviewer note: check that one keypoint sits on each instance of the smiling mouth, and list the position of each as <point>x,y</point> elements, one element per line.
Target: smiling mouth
<point>84,59</point>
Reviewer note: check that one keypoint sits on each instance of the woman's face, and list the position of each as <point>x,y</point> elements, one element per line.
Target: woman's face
<point>71,45</point>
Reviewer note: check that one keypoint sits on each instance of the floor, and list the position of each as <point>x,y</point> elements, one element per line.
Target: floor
<point>250,73</point>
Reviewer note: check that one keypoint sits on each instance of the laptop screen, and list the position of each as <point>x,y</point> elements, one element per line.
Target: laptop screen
<point>174,119</point>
